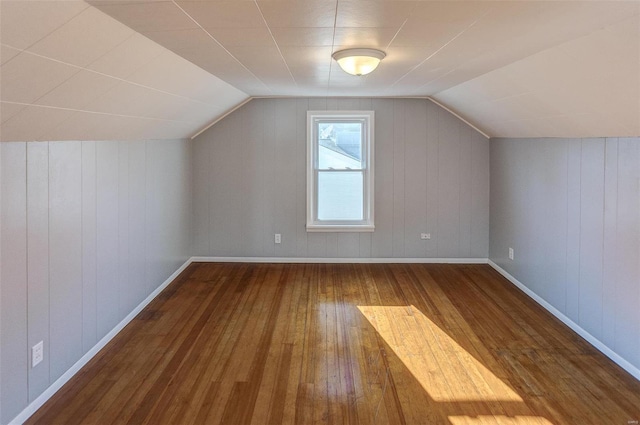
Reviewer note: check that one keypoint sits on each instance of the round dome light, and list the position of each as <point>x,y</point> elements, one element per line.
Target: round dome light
<point>358,61</point>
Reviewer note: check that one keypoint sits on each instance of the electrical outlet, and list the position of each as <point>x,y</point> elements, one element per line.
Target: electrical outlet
<point>425,235</point>
<point>510,253</point>
<point>37,354</point>
<point>278,238</point>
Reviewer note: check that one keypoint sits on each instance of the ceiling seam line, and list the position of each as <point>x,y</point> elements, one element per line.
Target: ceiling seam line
<point>559,46</point>
<point>402,26</point>
<point>435,53</point>
<point>48,34</point>
<point>333,45</point>
<point>111,76</point>
<point>454,69</point>
<point>220,44</point>
<point>93,112</point>
<point>80,70</point>
<point>275,42</point>
<point>366,76</point>
<point>396,34</point>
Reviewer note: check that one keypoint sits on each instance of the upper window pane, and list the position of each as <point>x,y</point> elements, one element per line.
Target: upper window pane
<point>339,145</point>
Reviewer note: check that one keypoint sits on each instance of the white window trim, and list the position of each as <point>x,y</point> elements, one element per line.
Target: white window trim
<point>367,225</point>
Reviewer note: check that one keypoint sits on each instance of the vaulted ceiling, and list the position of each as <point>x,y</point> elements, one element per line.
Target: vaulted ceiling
<point>131,69</point>
<point>71,72</point>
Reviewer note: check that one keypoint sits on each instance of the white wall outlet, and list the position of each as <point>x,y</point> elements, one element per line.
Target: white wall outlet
<point>425,235</point>
<point>278,238</point>
<point>37,354</point>
<point>510,253</point>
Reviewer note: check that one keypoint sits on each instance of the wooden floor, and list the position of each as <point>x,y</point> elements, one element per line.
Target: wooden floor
<point>327,343</point>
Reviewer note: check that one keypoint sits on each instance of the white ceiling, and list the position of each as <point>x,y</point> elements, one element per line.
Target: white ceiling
<point>71,72</point>
<point>513,68</point>
<point>586,87</point>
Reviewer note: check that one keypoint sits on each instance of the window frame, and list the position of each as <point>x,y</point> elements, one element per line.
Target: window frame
<point>313,223</point>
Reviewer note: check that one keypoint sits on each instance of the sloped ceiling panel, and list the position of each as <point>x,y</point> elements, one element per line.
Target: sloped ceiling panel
<point>586,87</point>
<point>513,68</point>
<point>284,47</point>
<point>70,71</point>
<point>455,51</point>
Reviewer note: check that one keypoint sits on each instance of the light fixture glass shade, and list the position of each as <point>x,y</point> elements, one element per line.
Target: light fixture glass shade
<point>358,61</point>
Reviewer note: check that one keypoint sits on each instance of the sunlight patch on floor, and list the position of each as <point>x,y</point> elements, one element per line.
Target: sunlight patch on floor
<point>502,420</point>
<point>445,370</point>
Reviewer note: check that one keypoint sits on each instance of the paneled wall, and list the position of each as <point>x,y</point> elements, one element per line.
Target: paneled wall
<point>432,176</point>
<point>88,230</point>
<point>570,209</point>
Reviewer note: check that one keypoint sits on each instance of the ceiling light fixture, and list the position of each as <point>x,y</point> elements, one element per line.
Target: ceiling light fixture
<point>358,61</point>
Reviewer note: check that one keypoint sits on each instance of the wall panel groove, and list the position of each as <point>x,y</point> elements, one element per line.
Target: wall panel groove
<point>13,335</point>
<point>577,232</point>
<point>76,255</point>
<point>38,260</point>
<point>431,176</point>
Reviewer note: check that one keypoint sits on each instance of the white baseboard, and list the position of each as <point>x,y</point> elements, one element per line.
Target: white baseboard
<point>338,260</point>
<point>570,323</point>
<point>53,388</point>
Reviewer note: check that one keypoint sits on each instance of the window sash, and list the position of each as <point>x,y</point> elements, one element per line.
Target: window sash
<point>317,194</point>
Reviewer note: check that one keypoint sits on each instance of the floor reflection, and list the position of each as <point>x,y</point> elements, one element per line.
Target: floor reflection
<point>448,373</point>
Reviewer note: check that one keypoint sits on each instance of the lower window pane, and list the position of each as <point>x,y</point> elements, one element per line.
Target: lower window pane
<point>340,195</point>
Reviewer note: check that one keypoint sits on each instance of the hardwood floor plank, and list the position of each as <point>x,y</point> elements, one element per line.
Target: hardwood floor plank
<point>296,336</point>
<point>345,344</point>
<point>304,404</point>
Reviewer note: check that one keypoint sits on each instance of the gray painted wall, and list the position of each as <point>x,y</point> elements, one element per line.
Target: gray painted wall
<point>1,302</point>
<point>88,230</point>
<point>570,208</point>
<point>432,175</point>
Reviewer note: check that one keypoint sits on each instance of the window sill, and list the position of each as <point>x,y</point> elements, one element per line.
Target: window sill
<point>340,228</point>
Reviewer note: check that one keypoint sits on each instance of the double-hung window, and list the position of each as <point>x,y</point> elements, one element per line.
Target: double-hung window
<point>340,171</point>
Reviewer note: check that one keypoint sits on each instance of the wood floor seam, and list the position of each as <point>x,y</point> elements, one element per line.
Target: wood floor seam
<point>260,343</point>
